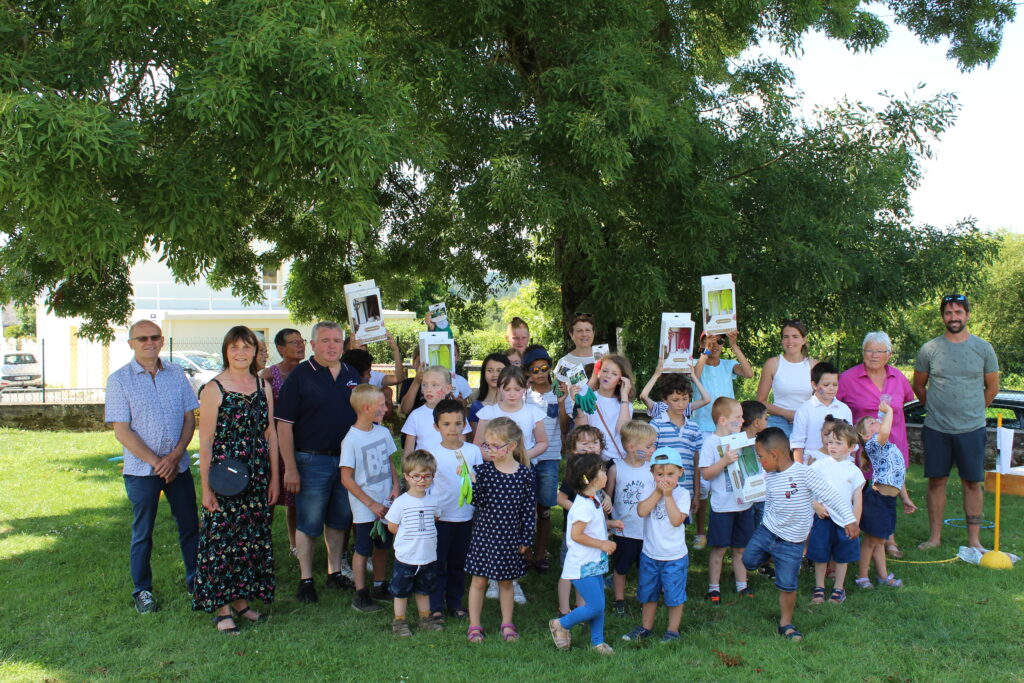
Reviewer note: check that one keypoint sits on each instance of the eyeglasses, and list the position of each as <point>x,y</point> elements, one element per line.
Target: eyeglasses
<point>540,370</point>
<point>490,448</point>
<point>296,342</point>
<point>875,352</point>
<point>953,297</point>
<point>421,477</point>
<point>148,338</point>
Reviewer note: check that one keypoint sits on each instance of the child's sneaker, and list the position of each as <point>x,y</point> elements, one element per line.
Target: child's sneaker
<point>517,593</point>
<point>340,581</point>
<point>619,608</point>
<point>428,624</point>
<point>492,590</point>
<point>714,597</point>
<point>603,649</point>
<point>766,570</point>
<point>747,592</point>
<point>669,637</point>
<point>400,628</point>
<point>700,542</point>
<point>637,634</point>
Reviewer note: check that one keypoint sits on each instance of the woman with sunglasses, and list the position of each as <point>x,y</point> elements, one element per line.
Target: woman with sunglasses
<point>787,377</point>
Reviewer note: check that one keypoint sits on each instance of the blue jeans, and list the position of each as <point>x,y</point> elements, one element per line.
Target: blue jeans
<point>591,589</point>
<point>321,499</point>
<point>144,494</point>
<point>545,480</point>
<point>452,546</point>
<point>764,546</point>
<point>782,423</point>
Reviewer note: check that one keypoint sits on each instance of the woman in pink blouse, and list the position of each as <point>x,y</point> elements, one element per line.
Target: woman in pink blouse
<point>862,387</point>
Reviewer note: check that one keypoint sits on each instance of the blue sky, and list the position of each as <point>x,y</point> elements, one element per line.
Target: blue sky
<point>976,168</point>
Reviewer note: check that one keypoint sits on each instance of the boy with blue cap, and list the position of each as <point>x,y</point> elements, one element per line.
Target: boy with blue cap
<point>664,562</point>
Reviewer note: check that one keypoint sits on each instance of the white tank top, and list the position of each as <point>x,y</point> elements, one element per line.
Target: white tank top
<point>791,385</point>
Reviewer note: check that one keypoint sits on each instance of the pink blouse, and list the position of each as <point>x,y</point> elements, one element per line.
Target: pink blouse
<point>860,393</point>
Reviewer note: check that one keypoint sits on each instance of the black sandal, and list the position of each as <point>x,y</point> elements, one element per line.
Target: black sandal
<point>458,613</point>
<point>224,617</point>
<point>790,632</point>
<point>260,618</point>
<point>437,617</point>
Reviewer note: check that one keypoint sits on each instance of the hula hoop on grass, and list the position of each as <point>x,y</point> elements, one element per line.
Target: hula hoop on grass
<point>984,525</point>
<point>952,559</point>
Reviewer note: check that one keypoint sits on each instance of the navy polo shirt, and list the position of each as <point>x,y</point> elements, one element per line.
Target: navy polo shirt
<point>317,405</point>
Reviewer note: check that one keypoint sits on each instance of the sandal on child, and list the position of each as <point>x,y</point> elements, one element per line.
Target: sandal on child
<point>790,632</point>
<point>437,617</point>
<point>818,596</point>
<point>838,596</point>
<point>475,634</point>
<point>560,634</point>
<point>864,582</point>
<point>893,551</point>
<point>603,649</point>
<point>890,581</point>
<point>509,633</point>
<point>229,631</point>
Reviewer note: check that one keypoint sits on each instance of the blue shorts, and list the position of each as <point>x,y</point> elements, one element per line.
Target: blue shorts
<point>828,541</point>
<point>941,450</point>
<point>410,578</point>
<point>764,546</point>
<point>878,514</point>
<point>782,423</point>
<point>730,529</point>
<point>627,553</point>
<point>667,575</point>
<point>366,545</point>
<point>545,478</point>
<point>321,499</point>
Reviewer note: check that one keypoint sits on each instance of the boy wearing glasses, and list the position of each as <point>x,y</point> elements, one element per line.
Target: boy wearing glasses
<point>411,518</point>
<point>370,478</point>
<point>540,393</point>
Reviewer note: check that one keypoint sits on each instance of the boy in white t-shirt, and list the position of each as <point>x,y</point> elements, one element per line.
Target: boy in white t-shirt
<point>665,561</point>
<point>810,416</point>
<point>633,483</point>
<point>435,385</point>
<point>455,458</point>
<point>412,519</point>
<point>731,523</point>
<point>370,478</point>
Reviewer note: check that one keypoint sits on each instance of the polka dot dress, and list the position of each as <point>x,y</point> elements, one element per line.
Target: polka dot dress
<point>504,519</point>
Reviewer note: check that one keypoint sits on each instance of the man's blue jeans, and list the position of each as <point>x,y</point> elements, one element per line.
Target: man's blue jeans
<point>144,494</point>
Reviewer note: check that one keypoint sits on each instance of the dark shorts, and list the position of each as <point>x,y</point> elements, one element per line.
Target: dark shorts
<point>942,450</point>
<point>878,514</point>
<point>410,578</point>
<point>730,529</point>
<point>764,546</point>
<point>828,541</point>
<point>545,478</point>
<point>366,545</point>
<point>627,553</point>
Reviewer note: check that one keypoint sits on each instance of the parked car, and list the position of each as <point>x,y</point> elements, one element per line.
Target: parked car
<point>199,366</point>
<point>20,369</point>
<point>1008,403</point>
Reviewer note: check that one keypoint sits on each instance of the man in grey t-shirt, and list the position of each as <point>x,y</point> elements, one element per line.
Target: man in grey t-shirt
<point>961,374</point>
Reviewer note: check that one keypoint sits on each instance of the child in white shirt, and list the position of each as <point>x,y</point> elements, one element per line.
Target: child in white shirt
<point>435,385</point>
<point>810,416</point>
<point>633,483</point>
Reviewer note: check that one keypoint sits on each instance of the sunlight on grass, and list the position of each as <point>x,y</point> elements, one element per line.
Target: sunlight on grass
<point>19,544</point>
<point>27,671</point>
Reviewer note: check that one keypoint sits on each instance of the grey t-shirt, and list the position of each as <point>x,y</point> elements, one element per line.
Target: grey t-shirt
<point>956,382</point>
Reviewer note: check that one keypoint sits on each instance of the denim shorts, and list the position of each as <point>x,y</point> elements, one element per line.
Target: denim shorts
<point>321,499</point>
<point>545,477</point>
<point>878,514</point>
<point>411,578</point>
<point>828,541</point>
<point>730,529</point>
<point>627,553</point>
<point>366,545</point>
<point>782,423</point>
<point>764,546</point>
<point>941,450</point>
<point>667,575</point>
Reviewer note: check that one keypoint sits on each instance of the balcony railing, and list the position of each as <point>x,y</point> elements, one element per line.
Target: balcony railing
<point>172,295</point>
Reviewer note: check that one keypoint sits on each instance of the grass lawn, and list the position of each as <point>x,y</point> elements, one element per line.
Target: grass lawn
<point>66,612</point>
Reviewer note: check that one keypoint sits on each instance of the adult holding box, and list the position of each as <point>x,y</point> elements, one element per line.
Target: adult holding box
<point>787,377</point>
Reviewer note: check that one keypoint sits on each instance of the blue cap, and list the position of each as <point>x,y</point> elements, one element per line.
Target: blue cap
<point>666,455</point>
<point>535,354</point>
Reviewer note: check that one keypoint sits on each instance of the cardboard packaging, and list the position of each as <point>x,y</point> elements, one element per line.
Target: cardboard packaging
<point>745,475</point>
<point>718,301</point>
<point>600,350</point>
<point>571,374</point>
<point>676,342</point>
<point>437,348</point>
<point>365,312</point>
<point>439,315</point>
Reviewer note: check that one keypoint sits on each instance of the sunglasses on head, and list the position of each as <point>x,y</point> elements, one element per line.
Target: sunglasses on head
<point>582,314</point>
<point>953,297</point>
<point>794,322</point>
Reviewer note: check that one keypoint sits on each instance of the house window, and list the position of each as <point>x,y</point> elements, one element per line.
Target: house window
<point>270,275</point>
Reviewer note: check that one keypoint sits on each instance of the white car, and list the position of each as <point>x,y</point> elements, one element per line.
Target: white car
<point>20,369</point>
<point>199,366</point>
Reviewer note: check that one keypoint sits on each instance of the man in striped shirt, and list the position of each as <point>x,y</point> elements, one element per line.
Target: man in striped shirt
<point>792,487</point>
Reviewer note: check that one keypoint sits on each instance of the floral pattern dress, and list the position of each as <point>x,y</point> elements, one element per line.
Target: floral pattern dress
<point>285,498</point>
<point>236,557</point>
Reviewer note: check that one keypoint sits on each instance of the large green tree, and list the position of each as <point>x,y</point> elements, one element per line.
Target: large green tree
<point>613,151</point>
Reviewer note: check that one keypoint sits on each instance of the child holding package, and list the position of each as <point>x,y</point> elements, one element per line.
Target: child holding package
<point>633,482</point>
<point>586,562</point>
<point>732,519</point>
<point>791,486</point>
<point>435,384</point>
<point>503,525</point>
<point>810,416</point>
<point>664,563</point>
<point>370,478</point>
<point>827,541</point>
<point>657,409</point>
<point>614,404</point>
<point>454,458</point>
<point>412,518</point>
<point>888,480</point>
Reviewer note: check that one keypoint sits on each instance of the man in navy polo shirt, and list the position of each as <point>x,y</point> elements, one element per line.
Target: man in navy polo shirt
<point>313,415</point>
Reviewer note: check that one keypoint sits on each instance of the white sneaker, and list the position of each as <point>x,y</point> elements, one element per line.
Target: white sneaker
<point>517,593</point>
<point>346,569</point>
<point>492,590</point>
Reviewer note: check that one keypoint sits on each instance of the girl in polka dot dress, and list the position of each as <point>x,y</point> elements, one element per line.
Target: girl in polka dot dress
<point>503,525</point>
